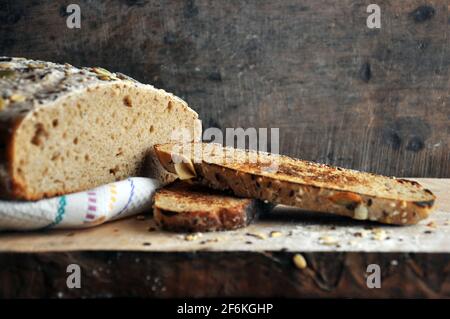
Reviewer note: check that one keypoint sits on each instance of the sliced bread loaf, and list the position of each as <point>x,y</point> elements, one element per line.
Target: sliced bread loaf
<point>186,207</point>
<point>65,129</point>
<point>306,185</point>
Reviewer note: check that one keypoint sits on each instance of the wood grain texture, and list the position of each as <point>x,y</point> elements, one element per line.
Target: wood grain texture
<point>375,100</point>
<point>232,274</point>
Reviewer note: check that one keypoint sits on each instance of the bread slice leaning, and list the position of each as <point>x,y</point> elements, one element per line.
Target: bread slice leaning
<point>186,207</point>
<point>310,186</point>
<point>65,129</point>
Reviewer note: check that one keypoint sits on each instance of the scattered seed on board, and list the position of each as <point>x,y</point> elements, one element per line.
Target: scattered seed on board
<point>379,234</point>
<point>299,261</point>
<point>275,234</point>
<point>327,240</point>
<point>207,241</point>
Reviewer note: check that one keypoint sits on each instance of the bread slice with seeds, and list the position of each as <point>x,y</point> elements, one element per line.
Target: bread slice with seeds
<point>309,186</point>
<point>186,207</point>
<point>65,129</point>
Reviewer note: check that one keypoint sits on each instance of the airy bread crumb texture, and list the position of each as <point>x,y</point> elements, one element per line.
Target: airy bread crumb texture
<point>94,136</point>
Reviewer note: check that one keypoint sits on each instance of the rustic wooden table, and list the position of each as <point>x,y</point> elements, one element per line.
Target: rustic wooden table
<point>132,258</point>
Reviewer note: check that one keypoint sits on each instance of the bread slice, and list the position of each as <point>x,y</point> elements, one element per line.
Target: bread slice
<point>310,186</point>
<point>186,207</point>
<point>65,129</point>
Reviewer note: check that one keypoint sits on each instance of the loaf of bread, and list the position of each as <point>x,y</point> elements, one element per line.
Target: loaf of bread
<point>65,129</point>
<point>306,185</point>
<point>186,207</point>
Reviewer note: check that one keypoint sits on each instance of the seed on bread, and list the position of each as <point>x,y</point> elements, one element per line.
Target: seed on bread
<point>361,212</point>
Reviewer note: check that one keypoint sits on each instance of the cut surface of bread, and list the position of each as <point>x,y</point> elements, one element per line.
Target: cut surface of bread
<point>65,129</point>
<point>187,207</point>
<point>310,186</point>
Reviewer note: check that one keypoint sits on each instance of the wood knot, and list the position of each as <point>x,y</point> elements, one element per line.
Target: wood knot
<point>423,13</point>
<point>365,73</point>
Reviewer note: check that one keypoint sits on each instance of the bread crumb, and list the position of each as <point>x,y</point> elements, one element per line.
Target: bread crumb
<point>379,234</point>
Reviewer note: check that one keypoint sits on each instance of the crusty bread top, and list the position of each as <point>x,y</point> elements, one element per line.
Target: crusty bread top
<point>284,168</point>
<point>29,84</point>
<point>183,197</point>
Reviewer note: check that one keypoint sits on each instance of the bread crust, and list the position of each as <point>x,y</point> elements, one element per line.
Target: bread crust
<point>246,181</point>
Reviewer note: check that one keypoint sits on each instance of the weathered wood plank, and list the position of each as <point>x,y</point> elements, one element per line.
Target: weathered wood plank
<point>339,92</point>
<point>232,274</point>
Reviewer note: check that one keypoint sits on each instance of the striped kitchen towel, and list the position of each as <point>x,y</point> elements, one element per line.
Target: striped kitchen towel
<point>80,210</point>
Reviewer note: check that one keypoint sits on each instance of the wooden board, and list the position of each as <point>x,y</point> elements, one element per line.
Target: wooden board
<point>300,231</point>
<point>340,93</point>
<point>130,258</point>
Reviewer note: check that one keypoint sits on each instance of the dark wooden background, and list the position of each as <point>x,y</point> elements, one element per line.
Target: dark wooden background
<point>375,100</point>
